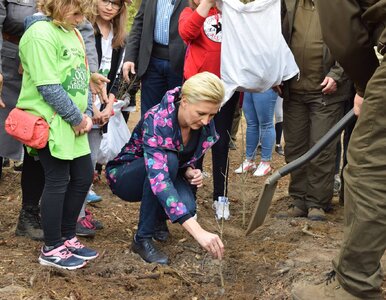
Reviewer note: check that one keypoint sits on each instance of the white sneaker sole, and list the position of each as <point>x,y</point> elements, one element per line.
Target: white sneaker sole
<point>264,174</point>
<point>50,264</point>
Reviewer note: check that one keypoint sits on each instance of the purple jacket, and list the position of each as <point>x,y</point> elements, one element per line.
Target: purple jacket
<point>156,133</point>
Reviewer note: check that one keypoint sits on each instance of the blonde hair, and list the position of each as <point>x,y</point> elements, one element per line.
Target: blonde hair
<point>119,26</point>
<point>60,10</point>
<point>203,86</point>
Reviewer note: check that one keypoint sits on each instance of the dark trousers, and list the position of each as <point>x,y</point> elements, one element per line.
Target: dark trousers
<point>158,79</point>
<point>220,162</point>
<point>66,186</point>
<point>132,184</point>
<point>306,120</point>
<point>32,181</point>
<point>364,240</point>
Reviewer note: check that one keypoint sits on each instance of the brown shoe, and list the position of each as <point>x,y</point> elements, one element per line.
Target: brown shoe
<point>324,291</point>
<point>292,212</point>
<point>316,214</point>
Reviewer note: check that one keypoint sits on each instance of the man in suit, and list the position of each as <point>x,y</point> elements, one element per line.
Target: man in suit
<point>155,49</point>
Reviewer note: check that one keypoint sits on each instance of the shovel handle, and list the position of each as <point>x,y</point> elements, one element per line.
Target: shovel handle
<point>319,146</point>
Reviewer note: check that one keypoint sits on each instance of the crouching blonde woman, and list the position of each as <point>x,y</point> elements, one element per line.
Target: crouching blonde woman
<point>157,165</point>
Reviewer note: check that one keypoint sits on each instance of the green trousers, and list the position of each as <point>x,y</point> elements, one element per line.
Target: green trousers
<point>306,120</point>
<point>358,263</point>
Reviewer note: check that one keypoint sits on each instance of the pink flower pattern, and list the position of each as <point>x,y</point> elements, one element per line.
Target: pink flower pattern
<point>151,138</point>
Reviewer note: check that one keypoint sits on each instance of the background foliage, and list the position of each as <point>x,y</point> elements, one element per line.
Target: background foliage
<point>131,12</point>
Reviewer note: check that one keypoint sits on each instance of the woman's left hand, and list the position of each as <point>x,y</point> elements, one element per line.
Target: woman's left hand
<point>194,176</point>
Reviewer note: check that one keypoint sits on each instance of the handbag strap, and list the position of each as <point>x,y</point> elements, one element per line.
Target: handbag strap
<point>83,46</point>
<point>52,118</point>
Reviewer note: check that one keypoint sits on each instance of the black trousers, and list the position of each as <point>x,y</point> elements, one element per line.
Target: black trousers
<point>66,186</point>
<point>223,122</point>
<point>32,181</point>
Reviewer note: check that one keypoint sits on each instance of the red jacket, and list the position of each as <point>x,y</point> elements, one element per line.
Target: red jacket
<point>203,37</point>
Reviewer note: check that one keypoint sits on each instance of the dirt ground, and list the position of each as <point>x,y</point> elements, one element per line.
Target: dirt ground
<point>263,265</point>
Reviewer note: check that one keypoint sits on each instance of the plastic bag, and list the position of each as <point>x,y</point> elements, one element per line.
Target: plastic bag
<point>115,138</point>
<point>254,54</point>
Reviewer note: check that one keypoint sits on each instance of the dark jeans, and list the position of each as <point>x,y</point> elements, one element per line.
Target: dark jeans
<point>220,163</point>
<point>132,184</point>
<point>66,186</point>
<point>32,181</point>
<point>158,79</point>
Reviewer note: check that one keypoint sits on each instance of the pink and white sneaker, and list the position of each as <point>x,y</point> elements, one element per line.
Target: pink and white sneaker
<point>247,165</point>
<point>60,257</point>
<point>263,169</point>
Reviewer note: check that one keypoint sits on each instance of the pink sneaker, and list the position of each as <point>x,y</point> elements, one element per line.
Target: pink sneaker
<point>263,169</point>
<point>61,257</point>
<point>85,228</point>
<point>246,166</point>
<point>89,217</point>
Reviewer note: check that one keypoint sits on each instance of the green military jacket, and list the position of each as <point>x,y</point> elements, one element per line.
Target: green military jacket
<point>351,29</point>
<point>331,67</point>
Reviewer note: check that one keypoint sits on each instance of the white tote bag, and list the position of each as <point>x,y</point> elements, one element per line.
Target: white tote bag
<point>115,138</point>
<point>254,54</point>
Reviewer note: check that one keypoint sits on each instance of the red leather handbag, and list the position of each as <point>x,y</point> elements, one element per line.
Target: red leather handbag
<point>27,128</point>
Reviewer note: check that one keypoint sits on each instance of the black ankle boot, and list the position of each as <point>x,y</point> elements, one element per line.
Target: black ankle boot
<point>148,251</point>
<point>29,224</point>
<point>161,232</point>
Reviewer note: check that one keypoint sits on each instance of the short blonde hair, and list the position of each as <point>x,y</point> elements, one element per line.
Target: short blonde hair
<point>59,10</point>
<point>203,86</point>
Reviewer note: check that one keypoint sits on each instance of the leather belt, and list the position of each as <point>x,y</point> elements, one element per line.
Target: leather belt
<point>160,51</point>
<point>11,38</point>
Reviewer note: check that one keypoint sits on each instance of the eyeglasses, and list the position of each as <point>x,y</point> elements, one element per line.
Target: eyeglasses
<point>114,5</point>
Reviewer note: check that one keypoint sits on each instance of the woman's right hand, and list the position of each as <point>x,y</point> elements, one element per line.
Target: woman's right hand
<point>209,241</point>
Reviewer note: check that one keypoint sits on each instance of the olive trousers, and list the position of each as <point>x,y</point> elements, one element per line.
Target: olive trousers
<point>358,263</point>
<point>306,119</point>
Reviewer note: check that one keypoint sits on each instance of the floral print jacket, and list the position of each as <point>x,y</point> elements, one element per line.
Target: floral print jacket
<point>157,132</point>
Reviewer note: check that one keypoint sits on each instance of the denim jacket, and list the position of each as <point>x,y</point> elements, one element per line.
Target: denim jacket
<point>156,133</point>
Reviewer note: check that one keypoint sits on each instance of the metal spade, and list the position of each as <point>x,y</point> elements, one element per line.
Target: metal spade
<point>266,195</point>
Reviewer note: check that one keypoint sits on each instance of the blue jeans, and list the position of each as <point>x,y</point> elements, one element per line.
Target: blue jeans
<point>158,79</point>
<point>258,110</point>
<point>133,185</point>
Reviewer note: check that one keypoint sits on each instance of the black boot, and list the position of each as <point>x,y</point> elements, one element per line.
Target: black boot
<point>161,232</point>
<point>29,223</point>
<point>148,251</point>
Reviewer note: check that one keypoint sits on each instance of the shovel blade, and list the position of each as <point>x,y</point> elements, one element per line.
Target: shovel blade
<point>262,206</point>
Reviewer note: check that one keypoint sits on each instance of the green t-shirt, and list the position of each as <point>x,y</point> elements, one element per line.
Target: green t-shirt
<point>51,55</point>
